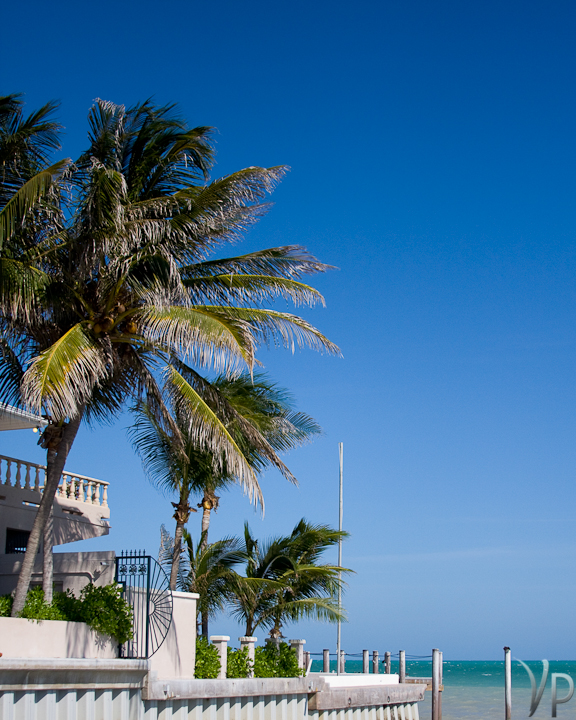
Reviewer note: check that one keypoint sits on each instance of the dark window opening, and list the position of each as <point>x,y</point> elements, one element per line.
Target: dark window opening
<point>16,541</point>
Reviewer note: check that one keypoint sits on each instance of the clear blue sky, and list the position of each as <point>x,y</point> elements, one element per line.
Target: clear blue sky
<point>432,150</point>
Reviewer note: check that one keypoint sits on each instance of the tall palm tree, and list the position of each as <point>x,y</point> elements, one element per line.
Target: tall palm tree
<point>285,581</point>
<point>256,408</point>
<point>124,302</point>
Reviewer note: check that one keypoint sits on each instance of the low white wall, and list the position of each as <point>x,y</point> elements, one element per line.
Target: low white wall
<point>177,655</point>
<point>20,638</point>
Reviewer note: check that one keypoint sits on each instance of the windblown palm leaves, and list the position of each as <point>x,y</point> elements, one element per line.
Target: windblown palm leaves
<point>259,419</point>
<point>120,300</point>
<point>285,582</point>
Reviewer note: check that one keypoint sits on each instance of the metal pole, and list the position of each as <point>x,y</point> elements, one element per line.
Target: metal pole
<point>326,658</point>
<point>436,675</point>
<point>507,684</point>
<point>365,662</point>
<point>338,641</point>
<point>387,668</point>
<point>402,666</point>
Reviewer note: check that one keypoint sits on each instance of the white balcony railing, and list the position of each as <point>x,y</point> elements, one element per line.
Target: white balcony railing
<point>31,476</point>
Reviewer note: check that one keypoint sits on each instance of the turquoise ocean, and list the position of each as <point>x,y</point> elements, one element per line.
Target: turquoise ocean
<point>475,690</point>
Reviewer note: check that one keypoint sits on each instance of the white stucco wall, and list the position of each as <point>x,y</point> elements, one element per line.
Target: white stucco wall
<point>20,638</point>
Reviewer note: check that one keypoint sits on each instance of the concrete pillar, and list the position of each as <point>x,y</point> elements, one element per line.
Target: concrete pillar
<point>176,656</point>
<point>375,662</point>
<point>298,647</point>
<point>249,642</point>
<point>221,642</point>
<point>326,660</point>
<point>365,662</point>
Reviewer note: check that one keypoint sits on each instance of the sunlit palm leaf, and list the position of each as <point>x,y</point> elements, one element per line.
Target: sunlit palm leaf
<point>62,377</point>
<point>208,432</point>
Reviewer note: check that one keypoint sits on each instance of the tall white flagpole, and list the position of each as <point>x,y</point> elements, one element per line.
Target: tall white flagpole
<point>341,504</point>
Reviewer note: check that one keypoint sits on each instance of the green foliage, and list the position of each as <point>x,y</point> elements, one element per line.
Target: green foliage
<point>106,611</point>
<point>238,663</point>
<point>207,659</point>
<point>272,661</point>
<point>36,609</point>
<point>102,608</point>
<point>6,602</point>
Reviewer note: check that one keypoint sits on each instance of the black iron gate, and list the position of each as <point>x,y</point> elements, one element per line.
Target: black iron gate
<point>147,589</point>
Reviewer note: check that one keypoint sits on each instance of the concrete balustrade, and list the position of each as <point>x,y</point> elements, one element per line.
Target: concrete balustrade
<point>32,476</point>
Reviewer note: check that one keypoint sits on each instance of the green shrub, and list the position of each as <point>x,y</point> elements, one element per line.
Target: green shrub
<point>270,661</point>
<point>106,611</point>
<point>238,663</point>
<point>6,602</point>
<point>36,609</point>
<point>207,659</point>
<point>102,608</point>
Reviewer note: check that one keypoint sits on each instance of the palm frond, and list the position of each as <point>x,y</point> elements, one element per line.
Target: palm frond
<point>15,210</point>
<point>209,433</point>
<point>62,377</point>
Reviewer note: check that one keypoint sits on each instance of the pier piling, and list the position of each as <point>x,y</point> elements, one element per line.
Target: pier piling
<point>387,667</point>
<point>365,662</point>
<point>326,660</point>
<point>436,684</point>
<point>402,664</point>
<point>507,684</point>
<point>375,662</point>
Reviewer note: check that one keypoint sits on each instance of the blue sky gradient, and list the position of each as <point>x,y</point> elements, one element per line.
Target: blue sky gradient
<point>433,153</point>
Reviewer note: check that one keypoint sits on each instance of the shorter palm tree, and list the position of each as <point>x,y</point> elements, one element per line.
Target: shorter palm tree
<point>207,570</point>
<point>285,582</point>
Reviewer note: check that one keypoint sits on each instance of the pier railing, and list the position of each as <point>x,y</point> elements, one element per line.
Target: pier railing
<point>31,476</point>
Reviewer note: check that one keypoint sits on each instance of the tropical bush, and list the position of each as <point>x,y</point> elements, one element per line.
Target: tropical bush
<point>102,608</point>
<point>207,659</point>
<point>238,663</point>
<point>276,661</point>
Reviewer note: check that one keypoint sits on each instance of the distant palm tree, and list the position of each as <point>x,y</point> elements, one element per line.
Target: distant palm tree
<point>112,298</point>
<point>284,580</point>
<point>259,417</point>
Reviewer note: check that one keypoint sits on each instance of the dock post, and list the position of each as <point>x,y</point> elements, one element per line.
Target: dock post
<point>375,662</point>
<point>436,682</point>
<point>342,662</point>
<point>402,663</point>
<point>365,662</point>
<point>387,666</point>
<point>326,659</point>
<point>507,684</point>
<point>306,661</point>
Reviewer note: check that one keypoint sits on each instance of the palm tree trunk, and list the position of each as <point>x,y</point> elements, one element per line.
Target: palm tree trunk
<point>48,569</point>
<point>205,624</point>
<point>55,461</point>
<point>176,555</point>
<point>205,525</point>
